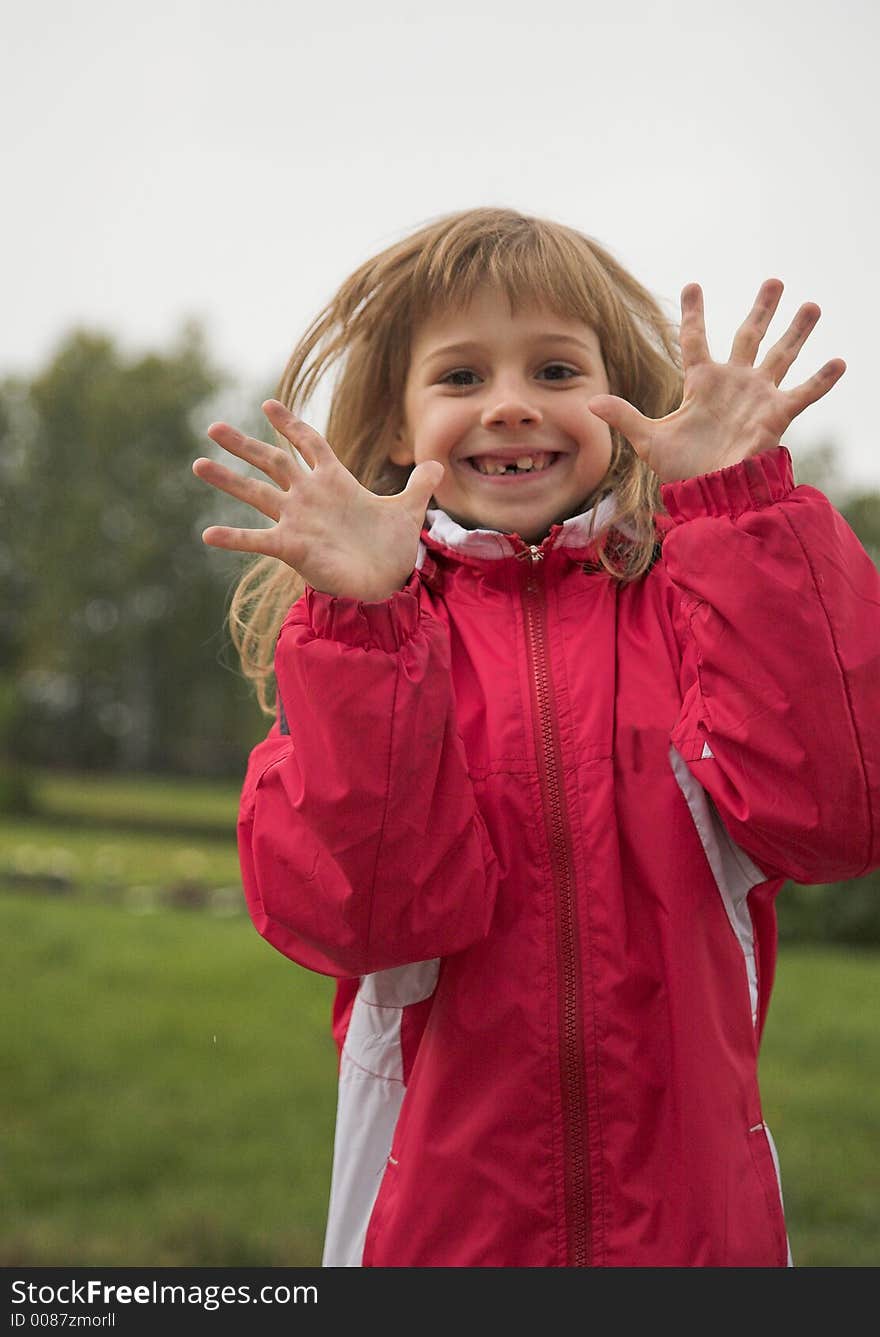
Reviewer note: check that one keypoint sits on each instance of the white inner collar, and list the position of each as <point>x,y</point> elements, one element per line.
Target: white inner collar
<point>577,532</point>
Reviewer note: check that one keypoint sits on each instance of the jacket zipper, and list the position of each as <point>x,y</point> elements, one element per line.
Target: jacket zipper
<point>577,1172</point>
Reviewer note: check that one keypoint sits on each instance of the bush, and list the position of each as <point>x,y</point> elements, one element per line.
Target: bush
<point>840,912</point>
<point>16,790</point>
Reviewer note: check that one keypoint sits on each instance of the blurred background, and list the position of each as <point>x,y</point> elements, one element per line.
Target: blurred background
<point>185,189</point>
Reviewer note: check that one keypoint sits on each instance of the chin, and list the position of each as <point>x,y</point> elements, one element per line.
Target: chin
<point>528,533</point>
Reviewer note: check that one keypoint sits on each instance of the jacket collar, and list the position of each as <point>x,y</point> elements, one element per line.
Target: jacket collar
<point>578,533</point>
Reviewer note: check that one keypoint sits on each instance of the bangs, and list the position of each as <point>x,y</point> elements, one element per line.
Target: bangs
<point>535,264</point>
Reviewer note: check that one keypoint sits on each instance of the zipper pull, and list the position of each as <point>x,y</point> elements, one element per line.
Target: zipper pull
<point>532,551</point>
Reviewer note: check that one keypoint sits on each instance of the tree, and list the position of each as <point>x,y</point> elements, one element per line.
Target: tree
<point>112,610</point>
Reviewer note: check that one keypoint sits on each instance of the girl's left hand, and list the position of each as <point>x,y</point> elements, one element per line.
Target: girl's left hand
<point>729,410</point>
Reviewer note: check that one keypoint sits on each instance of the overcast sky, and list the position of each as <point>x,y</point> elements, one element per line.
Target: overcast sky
<point>234,162</point>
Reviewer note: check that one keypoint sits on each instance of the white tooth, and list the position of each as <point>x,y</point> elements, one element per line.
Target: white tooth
<point>486,465</point>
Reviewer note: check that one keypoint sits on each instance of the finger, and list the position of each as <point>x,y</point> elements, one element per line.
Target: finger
<point>619,413</point>
<point>694,348</point>
<point>271,460</point>
<point>748,337</point>
<point>262,496</point>
<point>242,540</point>
<point>310,444</point>
<point>420,486</point>
<point>786,349</point>
<point>817,386</point>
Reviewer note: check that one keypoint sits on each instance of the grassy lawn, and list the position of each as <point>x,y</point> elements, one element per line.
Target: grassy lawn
<point>820,1072</point>
<point>168,1079</point>
<point>168,1091</point>
<point>143,840</point>
<point>103,797</point>
<point>96,862</point>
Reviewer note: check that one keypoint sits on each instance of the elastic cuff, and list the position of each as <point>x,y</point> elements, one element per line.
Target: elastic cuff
<point>748,486</point>
<point>386,625</point>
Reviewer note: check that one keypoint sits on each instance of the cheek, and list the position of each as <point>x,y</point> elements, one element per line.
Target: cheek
<point>591,431</point>
<point>438,429</point>
<point>596,447</point>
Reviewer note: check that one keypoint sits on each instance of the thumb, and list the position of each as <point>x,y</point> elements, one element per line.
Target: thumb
<point>420,485</point>
<point>620,413</point>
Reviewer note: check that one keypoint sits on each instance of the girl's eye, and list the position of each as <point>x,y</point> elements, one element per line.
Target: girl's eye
<point>451,376</point>
<point>559,366</point>
<point>448,378</point>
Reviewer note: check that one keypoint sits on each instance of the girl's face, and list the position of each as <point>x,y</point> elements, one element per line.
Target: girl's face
<point>485,389</point>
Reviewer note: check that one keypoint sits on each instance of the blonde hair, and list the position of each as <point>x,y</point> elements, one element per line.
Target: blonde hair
<point>368,328</point>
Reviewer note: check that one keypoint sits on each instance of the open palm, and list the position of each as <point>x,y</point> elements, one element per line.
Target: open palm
<point>729,410</point>
<point>340,537</point>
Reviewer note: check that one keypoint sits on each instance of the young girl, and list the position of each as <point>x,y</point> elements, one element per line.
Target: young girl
<point>570,678</point>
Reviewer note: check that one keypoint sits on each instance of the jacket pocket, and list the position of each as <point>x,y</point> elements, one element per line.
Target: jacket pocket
<point>765,1167</point>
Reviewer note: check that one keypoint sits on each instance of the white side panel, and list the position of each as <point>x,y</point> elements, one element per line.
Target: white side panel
<point>734,872</point>
<point>775,1155</point>
<point>371,1092</point>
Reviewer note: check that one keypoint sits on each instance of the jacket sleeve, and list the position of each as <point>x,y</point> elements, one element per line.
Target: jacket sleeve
<point>779,618</point>
<point>360,840</point>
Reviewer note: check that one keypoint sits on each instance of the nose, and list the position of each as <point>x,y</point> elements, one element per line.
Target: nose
<point>511,409</point>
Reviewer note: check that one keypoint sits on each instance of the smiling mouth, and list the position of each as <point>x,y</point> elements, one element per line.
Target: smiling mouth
<point>496,470</point>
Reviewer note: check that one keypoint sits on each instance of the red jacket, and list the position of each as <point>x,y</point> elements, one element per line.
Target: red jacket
<point>535,821</point>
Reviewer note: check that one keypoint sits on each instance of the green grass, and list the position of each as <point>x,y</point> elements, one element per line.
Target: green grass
<point>136,838</point>
<point>131,798</point>
<point>99,861</point>
<point>820,1072</point>
<point>168,1091</point>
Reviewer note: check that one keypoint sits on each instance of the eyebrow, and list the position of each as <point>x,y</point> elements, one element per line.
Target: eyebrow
<point>470,344</point>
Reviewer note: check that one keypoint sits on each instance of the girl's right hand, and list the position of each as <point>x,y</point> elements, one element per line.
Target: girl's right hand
<point>339,536</point>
